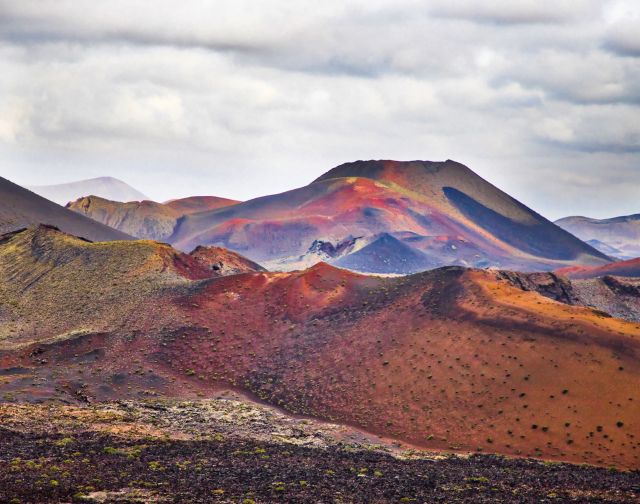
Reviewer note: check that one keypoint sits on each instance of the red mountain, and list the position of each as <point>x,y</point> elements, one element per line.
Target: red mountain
<point>440,208</point>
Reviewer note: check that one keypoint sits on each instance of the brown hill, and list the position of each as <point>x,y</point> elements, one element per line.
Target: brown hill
<point>441,208</point>
<point>20,208</point>
<point>195,204</point>
<point>55,285</point>
<point>145,219</point>
<point>452,359</point>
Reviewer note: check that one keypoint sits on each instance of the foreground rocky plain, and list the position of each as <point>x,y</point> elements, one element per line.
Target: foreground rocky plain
<point>230,450</point>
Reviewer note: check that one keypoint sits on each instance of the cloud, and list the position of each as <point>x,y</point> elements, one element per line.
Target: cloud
<point>507,12</point>
<point>624,38</point>
<point>596,128</point>
<point>273,93</point>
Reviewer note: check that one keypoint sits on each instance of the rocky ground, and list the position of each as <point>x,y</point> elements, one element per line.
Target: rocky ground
<point>233,451</point>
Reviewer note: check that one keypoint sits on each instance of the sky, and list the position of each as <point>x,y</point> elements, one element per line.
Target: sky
<point>245,98</point>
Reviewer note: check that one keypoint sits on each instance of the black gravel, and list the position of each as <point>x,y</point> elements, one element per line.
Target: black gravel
<point>37,469</point>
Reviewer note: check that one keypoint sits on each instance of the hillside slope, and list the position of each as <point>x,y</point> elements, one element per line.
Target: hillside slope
<point>451,359</point>
<point>105,284</point>
<point>20,208</point>
<point>620,233</point>
<point>441,208</point>
<point>630,268</point>
<point>105,187</point>
<point>145,219</point>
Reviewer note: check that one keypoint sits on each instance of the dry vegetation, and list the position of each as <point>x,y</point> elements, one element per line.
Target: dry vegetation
<point>231,451</point>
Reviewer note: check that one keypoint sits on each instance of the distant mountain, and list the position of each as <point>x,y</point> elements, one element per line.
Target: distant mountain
<point>387,254</point>
<point>145,219</point>
<point>105,187</point>
<point>440,208</point>
<point>21,208</point>
<point>605,248</point>
<point>622,234</point>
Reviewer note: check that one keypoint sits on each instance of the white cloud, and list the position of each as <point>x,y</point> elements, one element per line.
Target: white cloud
<point>246,98</point>
<point>514,12</point>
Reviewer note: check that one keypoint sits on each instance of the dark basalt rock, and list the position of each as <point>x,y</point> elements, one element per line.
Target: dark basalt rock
<point>547,284</point>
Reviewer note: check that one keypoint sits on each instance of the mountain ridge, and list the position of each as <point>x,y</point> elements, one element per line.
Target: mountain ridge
<point>145,219</point>
<point>21,208</point>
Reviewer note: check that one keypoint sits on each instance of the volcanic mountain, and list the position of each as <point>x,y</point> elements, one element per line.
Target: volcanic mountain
<point>20,208</point>
<point>622,234</point>
<point>440,208</point>
<point>145,219</point>
<point>105,187</point>
<point>454,358</point>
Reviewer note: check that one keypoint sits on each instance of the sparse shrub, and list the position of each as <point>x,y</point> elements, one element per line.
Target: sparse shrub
<point>64,441</point>
<point>478,479</point>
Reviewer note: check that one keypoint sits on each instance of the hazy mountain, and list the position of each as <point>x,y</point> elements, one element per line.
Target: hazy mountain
<point>105,187</point>
<point>622,234</point>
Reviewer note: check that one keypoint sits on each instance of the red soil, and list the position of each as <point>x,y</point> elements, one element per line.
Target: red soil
<point>630,268</point>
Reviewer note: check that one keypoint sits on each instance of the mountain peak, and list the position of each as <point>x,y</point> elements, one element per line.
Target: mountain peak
<point>376,169</point>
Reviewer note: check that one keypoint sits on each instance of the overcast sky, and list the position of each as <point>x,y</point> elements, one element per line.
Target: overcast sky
<point>243,98</point>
